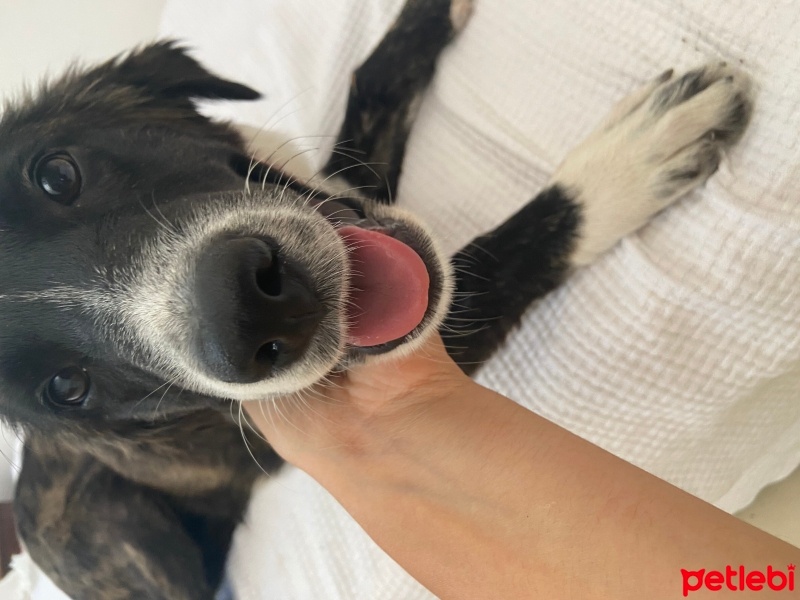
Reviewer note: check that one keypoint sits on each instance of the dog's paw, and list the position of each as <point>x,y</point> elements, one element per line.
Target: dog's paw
<point>654,147</point>
<point>460,13</point>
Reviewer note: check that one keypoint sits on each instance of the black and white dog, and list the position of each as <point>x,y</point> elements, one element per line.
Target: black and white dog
<point>153,275</point>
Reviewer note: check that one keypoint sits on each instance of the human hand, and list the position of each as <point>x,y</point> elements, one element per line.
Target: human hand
<point>362,410</point>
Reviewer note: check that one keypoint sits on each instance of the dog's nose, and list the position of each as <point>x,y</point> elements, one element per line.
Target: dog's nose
<point>256,312</point>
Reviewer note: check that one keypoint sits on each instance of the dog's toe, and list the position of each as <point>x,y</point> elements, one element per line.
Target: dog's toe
<point>696,118</point>
<point>460,13</point>
<point>633,101</point>
<point>690,84</point>
<point>712,98</point>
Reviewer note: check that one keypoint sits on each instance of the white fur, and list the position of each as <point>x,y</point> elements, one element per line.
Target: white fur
<point>618,173</point>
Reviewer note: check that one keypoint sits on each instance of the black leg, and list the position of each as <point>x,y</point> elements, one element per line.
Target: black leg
<point>385,94</point>
<point>501,273</point>
<point>632,167</point>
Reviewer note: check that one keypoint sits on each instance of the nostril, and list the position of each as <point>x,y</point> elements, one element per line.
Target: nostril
<point>256,309</point>
<point>268,354</point>
<point>268,279</point>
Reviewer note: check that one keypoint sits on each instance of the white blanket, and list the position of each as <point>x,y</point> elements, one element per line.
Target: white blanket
<point>678,351</point>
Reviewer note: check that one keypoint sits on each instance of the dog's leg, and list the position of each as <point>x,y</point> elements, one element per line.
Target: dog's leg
<point>102,537</point>
<point>654,147</point>
<point>385,94</point>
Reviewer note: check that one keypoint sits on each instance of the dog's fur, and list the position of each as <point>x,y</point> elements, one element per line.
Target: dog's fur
<point>134,490</point>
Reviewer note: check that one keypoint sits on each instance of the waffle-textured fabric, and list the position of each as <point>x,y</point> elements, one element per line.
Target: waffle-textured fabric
<point>679,350</point>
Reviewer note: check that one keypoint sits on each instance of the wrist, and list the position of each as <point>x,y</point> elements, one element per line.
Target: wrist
<point>432,448</point>
<point>395,438</point>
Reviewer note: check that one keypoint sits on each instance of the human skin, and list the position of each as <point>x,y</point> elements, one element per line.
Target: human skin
<point>477,497</point>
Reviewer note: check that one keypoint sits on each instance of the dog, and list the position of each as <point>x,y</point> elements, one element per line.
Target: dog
<point>155,275</point>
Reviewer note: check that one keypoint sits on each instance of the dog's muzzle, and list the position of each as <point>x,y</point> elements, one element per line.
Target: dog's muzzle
<point>260,307</point>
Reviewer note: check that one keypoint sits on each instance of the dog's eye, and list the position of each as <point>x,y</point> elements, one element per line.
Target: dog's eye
<point>59,177</point>
<point>69,387</point>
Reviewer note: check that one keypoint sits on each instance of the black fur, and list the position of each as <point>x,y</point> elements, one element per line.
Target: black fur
<point>381,106</point>
<point>500,273</point>
<point>163,472</point>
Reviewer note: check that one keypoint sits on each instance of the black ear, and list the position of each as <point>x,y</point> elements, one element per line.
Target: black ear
<point>165,70</point>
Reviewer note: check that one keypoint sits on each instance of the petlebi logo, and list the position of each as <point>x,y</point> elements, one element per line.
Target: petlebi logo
<point>739,579</point>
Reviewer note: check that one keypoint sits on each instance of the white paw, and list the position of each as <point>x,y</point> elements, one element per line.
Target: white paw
<point>460,12</point>
<point>655,146</point>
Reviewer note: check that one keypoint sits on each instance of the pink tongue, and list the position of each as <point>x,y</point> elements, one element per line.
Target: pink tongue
<point>389,287</point>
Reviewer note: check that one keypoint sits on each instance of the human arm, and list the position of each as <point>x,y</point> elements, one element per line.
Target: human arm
<point>477,497</point>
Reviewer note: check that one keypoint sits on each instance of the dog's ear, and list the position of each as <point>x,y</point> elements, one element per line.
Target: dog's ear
<point>165,71</point>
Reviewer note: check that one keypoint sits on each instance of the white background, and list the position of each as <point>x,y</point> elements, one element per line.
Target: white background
<point>40,36</point>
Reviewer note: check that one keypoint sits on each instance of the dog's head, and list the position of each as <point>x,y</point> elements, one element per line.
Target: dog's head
<point>141,272</point>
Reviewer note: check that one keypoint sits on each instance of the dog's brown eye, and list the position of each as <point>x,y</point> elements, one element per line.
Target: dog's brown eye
<point>59,177</point>
<point>69,387</point>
